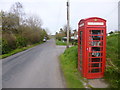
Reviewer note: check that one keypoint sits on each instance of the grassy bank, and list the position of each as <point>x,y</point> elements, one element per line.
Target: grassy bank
<point>60,42</point>
<point>68,62</point>
<point>113,61</point>
<point>64,43</point>
<point>18,50</point>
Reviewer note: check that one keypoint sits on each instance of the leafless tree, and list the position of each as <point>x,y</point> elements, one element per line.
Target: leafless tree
<point>17,9</point>
<point>34,21</point>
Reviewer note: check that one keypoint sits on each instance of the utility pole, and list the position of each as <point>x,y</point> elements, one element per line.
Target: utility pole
<point>68,26</point>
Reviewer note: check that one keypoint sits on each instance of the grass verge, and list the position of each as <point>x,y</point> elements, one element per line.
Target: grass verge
<point>18,50</point>
<point>112,74</point>
<point>60,42</point>
<point>68,61</point>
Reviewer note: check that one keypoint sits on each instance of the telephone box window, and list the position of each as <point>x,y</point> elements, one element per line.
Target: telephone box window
<point>96,32</point>
<point>81,40</point>
<point>96,37</point>
<point>95,70</point>
<point>95,43</point>
<point>96,49</point>
<point>95,54</point>
<point>96,59</point>
<point>96,65</point>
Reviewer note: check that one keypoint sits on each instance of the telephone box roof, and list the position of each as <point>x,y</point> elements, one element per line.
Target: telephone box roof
<point>92,18</point>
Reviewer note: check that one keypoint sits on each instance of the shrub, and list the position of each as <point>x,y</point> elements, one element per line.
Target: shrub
<point>113,61</point>
<point>8,42</point>
<point>5,47</point>
<point>32,36</point>
<point>21,42</point>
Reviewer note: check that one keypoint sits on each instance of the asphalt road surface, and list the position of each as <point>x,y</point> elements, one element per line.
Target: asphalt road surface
<point>37,67</point>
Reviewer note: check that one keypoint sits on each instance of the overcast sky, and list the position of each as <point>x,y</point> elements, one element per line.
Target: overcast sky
<point>53,12</point>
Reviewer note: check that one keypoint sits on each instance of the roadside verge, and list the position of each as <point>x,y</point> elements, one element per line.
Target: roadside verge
<point>68,61</point>
<point>16,51</point>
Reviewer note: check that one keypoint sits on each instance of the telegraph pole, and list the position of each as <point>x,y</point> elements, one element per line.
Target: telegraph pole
<point>68,24</point>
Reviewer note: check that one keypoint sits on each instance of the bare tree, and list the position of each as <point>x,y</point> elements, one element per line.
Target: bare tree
<point>17,9</point>
<point>65,30</point>
<point>34,21</point>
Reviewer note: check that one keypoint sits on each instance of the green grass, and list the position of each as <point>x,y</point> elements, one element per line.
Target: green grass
<point>68,62</point>
<point>18,50</point>
<point>60,42</point>
<point>112,74</point>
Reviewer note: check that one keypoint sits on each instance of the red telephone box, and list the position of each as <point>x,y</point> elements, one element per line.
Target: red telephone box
<point>92,47</point>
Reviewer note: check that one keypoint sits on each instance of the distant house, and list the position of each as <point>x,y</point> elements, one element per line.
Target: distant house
<point>110,33</point>
<point>64,39</point>
<point>74,36</point>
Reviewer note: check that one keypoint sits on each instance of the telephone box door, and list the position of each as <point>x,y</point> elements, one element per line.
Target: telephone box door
<point>95,52</point>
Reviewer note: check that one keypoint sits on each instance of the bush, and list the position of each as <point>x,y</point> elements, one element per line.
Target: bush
<point>5,47</point>
<point>21,42</point>
<point>112,45</point>
<point>113,69</point>
<point>8,42</point>
<point>32,36</point>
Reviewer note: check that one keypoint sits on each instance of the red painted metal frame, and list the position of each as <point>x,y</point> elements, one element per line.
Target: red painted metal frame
<point>83,55</point>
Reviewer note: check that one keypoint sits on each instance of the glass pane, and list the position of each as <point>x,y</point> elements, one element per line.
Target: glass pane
<point>96,65</point>
<point>95,43</point>
<point>96,32</point>
<point>80,37</point>
<point>95,70</point>
<point>81,50</point>
<point>102,32</point>
<point>95,54</point>
<point>96,37</point>
<point>96,59</point>
<point>96,49</point>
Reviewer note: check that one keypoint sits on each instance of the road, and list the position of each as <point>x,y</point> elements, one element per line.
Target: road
<point>37,67</point>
